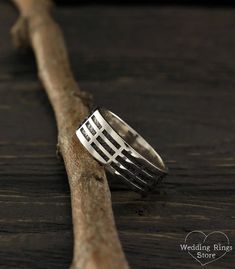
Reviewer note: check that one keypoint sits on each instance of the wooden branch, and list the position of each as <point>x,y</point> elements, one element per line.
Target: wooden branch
<point>96,243</point>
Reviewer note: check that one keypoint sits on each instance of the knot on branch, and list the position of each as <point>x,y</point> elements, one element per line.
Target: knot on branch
<point>86,98</point>
<point>20,34</point>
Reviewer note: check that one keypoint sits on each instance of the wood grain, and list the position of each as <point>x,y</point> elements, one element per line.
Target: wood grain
<point>180,61</point>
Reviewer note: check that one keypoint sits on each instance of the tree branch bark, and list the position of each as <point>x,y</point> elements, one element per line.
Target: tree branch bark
<point>96,243</point>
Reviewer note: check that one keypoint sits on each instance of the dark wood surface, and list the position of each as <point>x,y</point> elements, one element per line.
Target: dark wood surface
<point>170,73</point>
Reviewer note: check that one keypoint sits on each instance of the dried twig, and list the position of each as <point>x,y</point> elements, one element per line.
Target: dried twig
<point>96,243</point>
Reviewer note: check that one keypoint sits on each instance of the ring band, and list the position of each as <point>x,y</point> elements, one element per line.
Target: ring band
<point>121,150</point>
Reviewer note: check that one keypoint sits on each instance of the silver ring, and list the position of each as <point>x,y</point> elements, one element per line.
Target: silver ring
<point>121,150</point>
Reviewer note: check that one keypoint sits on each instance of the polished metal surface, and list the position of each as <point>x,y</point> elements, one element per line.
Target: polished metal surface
<point>121,149</point>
